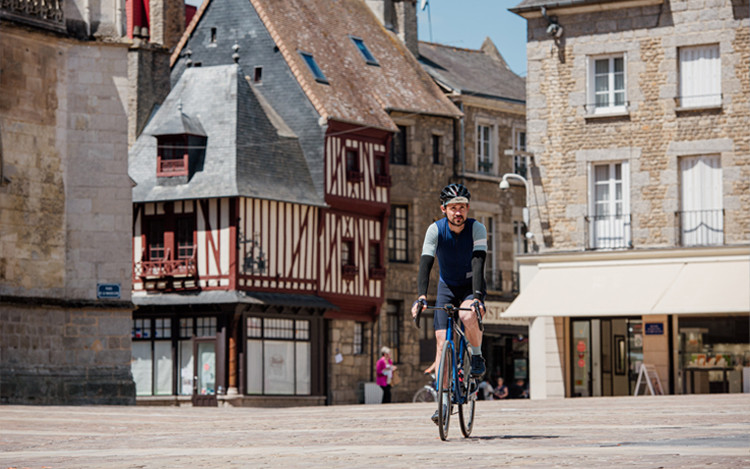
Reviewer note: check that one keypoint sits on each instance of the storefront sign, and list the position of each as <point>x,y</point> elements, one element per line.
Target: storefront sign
<point>654,328</point>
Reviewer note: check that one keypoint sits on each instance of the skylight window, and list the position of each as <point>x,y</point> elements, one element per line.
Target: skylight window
<point>314,68</point>
<point>369,58</point>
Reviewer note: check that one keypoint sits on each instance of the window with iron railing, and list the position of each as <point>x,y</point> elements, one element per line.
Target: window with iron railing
<point>484,149</point>
<point>701,220</point>
<point>608,225</point>
<point>700,77</point>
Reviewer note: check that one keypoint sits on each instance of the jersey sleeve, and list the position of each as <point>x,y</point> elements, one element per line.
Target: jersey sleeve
<point>429,248</point>
<point>479,233</point>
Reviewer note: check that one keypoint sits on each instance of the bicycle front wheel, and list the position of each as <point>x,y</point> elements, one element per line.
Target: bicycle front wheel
<point>445,389</point>
<point>468,401</point>
<point>426,394</point>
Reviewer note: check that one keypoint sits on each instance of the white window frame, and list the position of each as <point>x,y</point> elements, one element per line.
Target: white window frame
<point>611,107</point>
<point>614,232</point>
<point>491,157</point>
<point>489,220</point>
<point>520,156</point>
<point>700,76</point>
<point>701,201</point>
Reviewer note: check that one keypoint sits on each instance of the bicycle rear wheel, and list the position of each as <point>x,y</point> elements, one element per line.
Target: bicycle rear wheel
<point>426,394</point>
<point>467,407</point>
<point>445,389</point>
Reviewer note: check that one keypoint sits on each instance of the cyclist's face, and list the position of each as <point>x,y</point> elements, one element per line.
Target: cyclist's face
<point>456,213</point>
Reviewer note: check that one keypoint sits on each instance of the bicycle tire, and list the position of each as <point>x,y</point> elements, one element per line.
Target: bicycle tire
<point>467,408</point>
<point>425,394</point>
<point>445,391</point>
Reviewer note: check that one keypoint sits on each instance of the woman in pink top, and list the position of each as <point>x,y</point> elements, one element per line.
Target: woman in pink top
<point>384,373</point>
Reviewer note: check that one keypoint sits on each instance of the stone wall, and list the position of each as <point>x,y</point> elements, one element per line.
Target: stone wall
<point>63,355</point>
<point>65,220</point>
<point>653,134</point>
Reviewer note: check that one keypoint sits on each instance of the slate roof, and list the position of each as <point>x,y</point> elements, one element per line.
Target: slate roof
<point>356,92</point>
<point>249,151</point>
<point>480,72</point>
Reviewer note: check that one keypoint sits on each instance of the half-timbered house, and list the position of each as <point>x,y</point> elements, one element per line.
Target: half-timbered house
<point>261,204</point>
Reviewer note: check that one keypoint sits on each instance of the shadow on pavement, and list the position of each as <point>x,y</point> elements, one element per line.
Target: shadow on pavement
<point>515,437</point>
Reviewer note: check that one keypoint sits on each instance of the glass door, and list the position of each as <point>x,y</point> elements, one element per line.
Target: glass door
<point>581,358</point>
<point>204,381</point>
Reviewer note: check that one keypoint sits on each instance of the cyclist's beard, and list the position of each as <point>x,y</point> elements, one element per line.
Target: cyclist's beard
<point>457,220</point>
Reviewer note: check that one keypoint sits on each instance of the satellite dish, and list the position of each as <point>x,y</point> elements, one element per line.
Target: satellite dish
<point>423,4</point>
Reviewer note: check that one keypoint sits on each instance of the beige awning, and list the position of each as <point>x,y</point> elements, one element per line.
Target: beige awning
<point>636,288</point>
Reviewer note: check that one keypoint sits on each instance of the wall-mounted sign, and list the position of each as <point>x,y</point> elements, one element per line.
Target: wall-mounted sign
<point>654,328</point>
<point>108,291</point>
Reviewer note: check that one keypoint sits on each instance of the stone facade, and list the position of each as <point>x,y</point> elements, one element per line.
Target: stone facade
<point>648,136</point>
<point>66,220</point>
<point>653,134</point>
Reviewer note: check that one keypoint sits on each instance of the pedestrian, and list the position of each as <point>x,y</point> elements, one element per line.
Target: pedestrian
<point>486,390</point>
<point>501,390</point>
<point>384,373</point>
<point>518,390</point>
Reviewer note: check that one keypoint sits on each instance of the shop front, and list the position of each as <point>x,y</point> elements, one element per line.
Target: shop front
<point>595,319</point>
<point>220,348</point>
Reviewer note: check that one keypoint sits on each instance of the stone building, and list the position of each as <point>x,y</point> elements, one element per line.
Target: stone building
<point>65,211</point>
<point>637,117</point>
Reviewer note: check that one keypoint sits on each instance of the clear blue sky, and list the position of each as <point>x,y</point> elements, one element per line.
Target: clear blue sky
<point>465,23</point>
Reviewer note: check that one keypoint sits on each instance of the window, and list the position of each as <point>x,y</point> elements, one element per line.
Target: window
<point>185,238</point>
<point>152,363</point>
<point>278,356</point>
<point>366,54</point>
<point>398,146</point>
<point>398,240</point>
<point>257,74</point>
<point>358,346</point>
<point>607,85</point>
<point>609,222</point>
<point>377,272</point>
<point>702,215</point>
<point>314,68</point>
<point>392,328</point>
<point>381,171</point>
<point>436,149</point>
<point>700,76</point>
<point>353,173</point>
<point>156,249</point>
<point>492,273</point>
<point>213,35</point>
<point>484,149</point>
<point>172,156</point>
<point>348,268</point>
<point>520,159</point>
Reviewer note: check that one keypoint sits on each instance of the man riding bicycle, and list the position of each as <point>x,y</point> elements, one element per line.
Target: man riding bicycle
<point>460,245</point>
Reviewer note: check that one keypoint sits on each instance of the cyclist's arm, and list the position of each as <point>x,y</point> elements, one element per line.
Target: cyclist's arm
<point>429,247</point>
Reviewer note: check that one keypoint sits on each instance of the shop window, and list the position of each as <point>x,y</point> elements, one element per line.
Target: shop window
<point>359,344</point>
<point>152,361</point>
<point>278,356</point>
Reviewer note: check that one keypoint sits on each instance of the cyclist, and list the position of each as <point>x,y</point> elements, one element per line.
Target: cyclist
<point>460,245</point>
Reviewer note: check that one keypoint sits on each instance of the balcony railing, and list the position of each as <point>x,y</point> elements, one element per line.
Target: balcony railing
<point>172,167</point>
<point>46,14</point>
<point>167,267</point>
<point>700,227</point>
<point>382,180</point>
<point>608,232</point>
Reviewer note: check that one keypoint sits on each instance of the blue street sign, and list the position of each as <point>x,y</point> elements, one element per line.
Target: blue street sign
<point>109,291</point>
<point>654,328</point>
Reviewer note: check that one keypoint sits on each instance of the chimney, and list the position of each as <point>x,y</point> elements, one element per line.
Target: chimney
<point>400,17</point>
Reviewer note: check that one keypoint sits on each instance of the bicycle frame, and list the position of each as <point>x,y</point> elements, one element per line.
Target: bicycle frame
<point>456,358</point>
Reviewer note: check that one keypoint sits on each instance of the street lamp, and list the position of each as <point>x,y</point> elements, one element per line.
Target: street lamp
<point>505,185</point>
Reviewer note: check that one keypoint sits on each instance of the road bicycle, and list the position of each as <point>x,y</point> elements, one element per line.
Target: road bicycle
<point>454,382</point>
<point>428,392</point>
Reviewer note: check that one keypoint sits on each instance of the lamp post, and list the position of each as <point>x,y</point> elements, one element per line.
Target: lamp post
<point>505,185</point>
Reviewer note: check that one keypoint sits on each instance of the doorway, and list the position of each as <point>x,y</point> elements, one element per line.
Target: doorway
<point>204,373</point>
<point>605,356</point>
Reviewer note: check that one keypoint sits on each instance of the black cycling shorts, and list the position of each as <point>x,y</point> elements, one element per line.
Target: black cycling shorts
<point>447,294</point>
